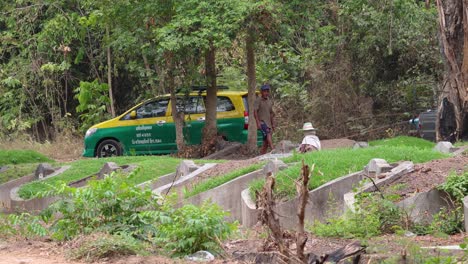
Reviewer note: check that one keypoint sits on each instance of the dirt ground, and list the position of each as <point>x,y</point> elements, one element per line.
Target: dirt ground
<point>226,167</point>
<point>43,252</point>
<point>427,176</point>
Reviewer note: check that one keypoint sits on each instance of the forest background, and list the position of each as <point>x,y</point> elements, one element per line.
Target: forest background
<point>354,68</point>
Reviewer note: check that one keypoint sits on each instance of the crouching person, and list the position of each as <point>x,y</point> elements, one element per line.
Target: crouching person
<point>310,142</point>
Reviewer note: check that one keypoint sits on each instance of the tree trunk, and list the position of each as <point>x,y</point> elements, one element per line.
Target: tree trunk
<point>210,130</point>
<point>178,117</point>
<point>452,123</point>
<point>109,74</point>
<point>252,83</point>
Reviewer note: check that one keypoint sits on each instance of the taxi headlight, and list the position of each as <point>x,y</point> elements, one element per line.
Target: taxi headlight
<point>90,131</point>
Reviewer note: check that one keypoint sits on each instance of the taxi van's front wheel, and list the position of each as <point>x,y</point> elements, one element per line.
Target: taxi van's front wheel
<point>109,148</point>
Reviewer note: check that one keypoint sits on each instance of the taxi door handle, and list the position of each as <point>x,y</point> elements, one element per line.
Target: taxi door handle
<point>201,118</point>
<point>161,122</point>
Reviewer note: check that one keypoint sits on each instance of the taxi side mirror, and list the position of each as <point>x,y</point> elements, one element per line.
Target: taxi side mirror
<point>133,114</point>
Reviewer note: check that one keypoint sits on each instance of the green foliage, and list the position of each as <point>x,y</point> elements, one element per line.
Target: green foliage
<point>93,101</point>
<point>214,182</point>
<point>21,156</point>
<point>126,219</point>
<point>331,164</point>
<point>150,168</point>
<point>379,215</point>
<point>456,185</point>
<point>103,245</point>
<point>189,229</point>
<point>447,221</point>
<point>111,205</point>
<point>23,225</point>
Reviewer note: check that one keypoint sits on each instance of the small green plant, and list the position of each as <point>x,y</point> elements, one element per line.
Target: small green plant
<point>189,229</point>
<point>379,215</point>
<point>447,221</point>
<point>456,185</point>
<point>93,102</point>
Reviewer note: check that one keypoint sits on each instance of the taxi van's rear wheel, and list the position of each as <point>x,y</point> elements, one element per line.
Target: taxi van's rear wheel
<point>109,148</point>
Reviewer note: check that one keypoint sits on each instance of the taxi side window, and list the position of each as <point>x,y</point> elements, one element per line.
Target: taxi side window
<point>151,109</point>
<point>191,105</point>
<point>224,104</point>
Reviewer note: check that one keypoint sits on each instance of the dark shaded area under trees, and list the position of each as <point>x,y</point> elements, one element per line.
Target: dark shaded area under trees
<point>347,66</point>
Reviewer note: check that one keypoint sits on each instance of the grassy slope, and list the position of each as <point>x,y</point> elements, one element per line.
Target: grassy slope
<point>331,164</point>
<point>21,156</point>
<point>219,180</point>
<point>151,167</point>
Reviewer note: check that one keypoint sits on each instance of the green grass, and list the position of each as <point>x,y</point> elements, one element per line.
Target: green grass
<point>219,180</point>
<point>17,171</point>
<point>331,164</point>
<point>21,156</point>
<point>403,141</point>
<point>460,143</point>
<point>151,167</point>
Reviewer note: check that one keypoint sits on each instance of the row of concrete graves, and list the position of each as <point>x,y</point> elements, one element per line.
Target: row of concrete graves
<point>234,196</point>
<point>10,201</point>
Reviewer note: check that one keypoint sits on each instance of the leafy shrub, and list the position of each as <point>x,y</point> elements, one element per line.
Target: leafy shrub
<point>93,101</point>
<point>189,229</point>
<point>447,221</point>
<point>23,225</point>
<point>110,205</point>
<point>456,186</point>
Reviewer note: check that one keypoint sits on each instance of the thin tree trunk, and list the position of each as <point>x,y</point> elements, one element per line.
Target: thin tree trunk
<point>453,122</point>
<point>210,130</point>
<point>303,195</point>
<point>178,117</point>
<point>109,74</point>
<point>252,83</point>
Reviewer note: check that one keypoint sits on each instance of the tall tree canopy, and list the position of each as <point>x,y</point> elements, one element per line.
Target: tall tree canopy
<point>347,66</point>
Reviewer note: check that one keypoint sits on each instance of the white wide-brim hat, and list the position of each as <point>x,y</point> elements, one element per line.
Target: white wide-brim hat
<point>308,127</point>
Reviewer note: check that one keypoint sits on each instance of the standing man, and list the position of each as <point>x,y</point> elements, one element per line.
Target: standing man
<point>264,115</point>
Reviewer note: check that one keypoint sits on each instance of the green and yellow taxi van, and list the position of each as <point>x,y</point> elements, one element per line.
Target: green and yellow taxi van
<point>148,128</point>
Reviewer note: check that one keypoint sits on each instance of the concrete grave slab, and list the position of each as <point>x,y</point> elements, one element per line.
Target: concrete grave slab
<point>107,169</point>
<point>360,144</point>
<point>423,206</point>
<point>393,175</point>
<point>323,200</point>
<point>376,167</point>
<point>444,147</point>
<point>273,166</point>
<point>43,170</point>
<point>228,195</point>
<point>186,167</point>
<point>179,183</point>
<point>420,208</point>
<point>284,146</point>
